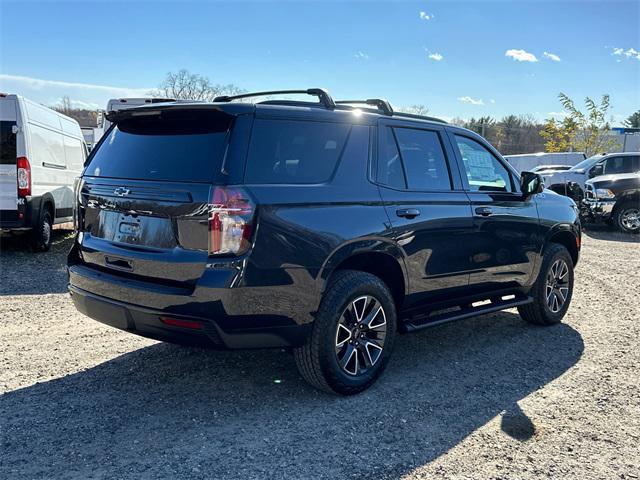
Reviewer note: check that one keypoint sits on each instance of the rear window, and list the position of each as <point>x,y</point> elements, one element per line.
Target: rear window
<point>284,151</point>
<point>177,145</point>
<point>7,144</point>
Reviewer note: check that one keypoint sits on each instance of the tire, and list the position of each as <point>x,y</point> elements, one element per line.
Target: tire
<point>544,310</point>
<point>349,301</point>
<point>626,217</point>
<point>42,234</point>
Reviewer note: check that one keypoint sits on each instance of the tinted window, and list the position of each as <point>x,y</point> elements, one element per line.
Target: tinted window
<point>484,171</point>
<point>622,165</point>
<point>423,159</point>
<point>390,170</point>
<point>284,151</point>
<point>185,145</point>
<point>7,144</point>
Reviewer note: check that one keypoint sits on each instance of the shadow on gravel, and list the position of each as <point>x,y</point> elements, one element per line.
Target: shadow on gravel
<point>607,233</point>
<point>17,264</point>
<point>165,411</point>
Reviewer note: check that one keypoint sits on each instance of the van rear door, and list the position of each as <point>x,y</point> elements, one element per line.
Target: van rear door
<point>8,170</point>
<point>146,191</point>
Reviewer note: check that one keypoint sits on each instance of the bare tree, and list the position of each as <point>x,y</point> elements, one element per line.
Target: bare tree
<point>415,109</point>
<point>191,86</point>
<point>64,106</point>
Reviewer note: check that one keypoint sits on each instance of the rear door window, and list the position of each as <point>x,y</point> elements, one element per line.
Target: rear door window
<point>7,143</point>
<point>625,164</point>
<point>294,152</point>
<point>177,145</point>
<point>390,169</point>
<point>423,159</point>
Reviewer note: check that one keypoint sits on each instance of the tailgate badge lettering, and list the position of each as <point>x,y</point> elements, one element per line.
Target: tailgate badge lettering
<point>122,191</point>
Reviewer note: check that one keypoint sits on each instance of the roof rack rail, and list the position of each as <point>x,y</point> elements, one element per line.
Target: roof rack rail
<point>379,103</point>
<point>323,95</point>
<point>418,117</point>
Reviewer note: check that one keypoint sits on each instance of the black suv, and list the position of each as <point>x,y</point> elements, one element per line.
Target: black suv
<point>318,226</point>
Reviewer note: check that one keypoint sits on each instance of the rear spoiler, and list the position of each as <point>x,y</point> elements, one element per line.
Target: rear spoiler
<point>115,116</point>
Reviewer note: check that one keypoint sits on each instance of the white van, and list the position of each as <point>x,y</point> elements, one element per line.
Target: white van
<point>42,152</point>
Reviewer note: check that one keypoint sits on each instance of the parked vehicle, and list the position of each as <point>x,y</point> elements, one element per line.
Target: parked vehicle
<point>550,168</point>
<point>42,152</point>
<point>614,199</point>
<point>116,104</point>
<point>317,226</point>
<point>527,161</point>
<point>573,181</point>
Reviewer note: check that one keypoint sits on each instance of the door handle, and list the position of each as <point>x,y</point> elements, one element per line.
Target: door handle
<point>408,212</point>
<point>484,211</point>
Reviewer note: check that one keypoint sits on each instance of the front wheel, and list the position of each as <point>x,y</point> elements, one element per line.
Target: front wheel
<point>627,217</point>
<point>553,289</point>
<point>352,336</point>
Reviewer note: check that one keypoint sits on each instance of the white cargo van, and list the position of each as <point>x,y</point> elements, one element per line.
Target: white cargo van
<point>42,152</point>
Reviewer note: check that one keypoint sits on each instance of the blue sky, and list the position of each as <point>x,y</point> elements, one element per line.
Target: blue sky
<point>457,58</point>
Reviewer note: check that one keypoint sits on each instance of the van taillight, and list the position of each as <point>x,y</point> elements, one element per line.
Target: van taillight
<point>231,214</point>
<point>24,177</point>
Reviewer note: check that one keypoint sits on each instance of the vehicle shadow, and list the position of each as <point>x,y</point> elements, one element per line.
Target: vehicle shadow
<point>17,264</point>
<point>607,233</point>
<point>165,411</point>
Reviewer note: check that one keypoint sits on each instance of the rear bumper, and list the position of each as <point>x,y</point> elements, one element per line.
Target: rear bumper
<point>223,317</point>
<point>23,218</point>
<point>183,329</point>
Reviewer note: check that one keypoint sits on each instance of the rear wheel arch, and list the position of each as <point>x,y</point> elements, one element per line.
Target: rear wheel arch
<point>48,204</point>
<point>387,265</point>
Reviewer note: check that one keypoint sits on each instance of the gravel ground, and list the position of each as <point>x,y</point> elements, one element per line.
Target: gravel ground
<point>489,397</point>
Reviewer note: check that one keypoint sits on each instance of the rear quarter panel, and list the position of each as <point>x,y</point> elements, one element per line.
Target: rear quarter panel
<point>304,231</point>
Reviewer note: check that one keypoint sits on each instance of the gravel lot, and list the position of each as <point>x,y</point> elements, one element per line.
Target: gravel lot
<point>489,397</point>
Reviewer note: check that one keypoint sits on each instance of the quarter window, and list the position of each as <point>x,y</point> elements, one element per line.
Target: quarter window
<point>283,151</point>
<point>484,171</point>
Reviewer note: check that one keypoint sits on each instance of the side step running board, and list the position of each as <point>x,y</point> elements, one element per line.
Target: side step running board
<point>466,311</point>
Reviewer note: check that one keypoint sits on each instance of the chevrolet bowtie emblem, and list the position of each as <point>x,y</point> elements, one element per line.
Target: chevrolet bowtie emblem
<point>122,191</point>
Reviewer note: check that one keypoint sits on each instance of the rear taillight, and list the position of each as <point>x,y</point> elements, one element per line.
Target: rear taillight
<point>24,177</point>
<point>77,203</point>
<point>231,214</point>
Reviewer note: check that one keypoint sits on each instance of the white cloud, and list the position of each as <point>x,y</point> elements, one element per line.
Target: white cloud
<point>552,56</point>
<point>361,56</point>
<point>629,53</point>
<point>521,55</point>
<point>557,114</point>
<point>40,84</point>
<point>436,56</point>
<point>426,16</point>
<point>491,100</point>
<point>471,101</point>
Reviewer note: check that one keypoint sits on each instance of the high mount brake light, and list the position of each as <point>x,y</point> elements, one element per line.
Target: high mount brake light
<point>231,214</point>
<point>24,177</point>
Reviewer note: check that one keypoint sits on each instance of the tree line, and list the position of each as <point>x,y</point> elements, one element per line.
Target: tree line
<point>582,130</point>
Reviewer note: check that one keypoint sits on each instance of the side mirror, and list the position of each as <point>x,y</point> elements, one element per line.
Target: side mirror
<point>531,183</point>
<point>596,171</point>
